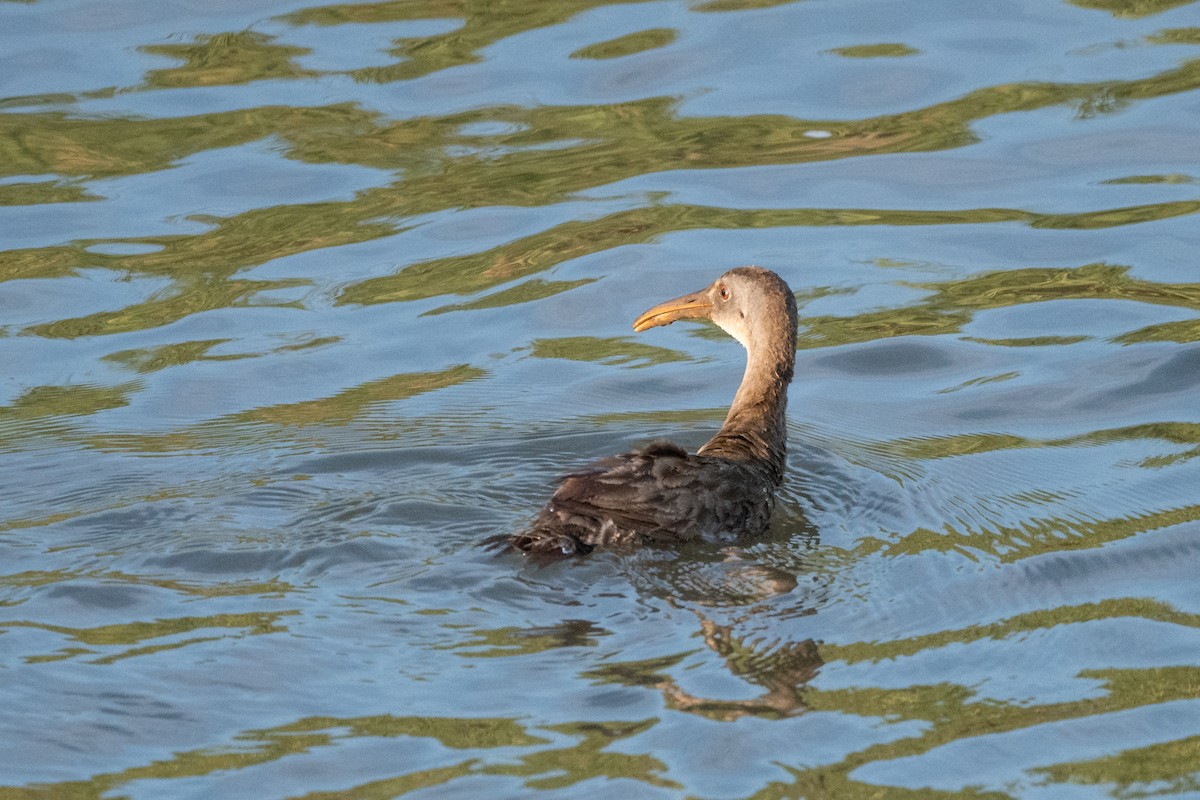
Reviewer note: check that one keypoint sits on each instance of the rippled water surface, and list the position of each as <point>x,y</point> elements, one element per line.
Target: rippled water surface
<point>299,302</point>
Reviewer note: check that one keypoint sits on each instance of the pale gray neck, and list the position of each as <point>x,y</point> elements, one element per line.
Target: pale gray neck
<point>755,429</point>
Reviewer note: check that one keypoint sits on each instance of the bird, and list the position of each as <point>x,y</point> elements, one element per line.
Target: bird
<point>660,494</point>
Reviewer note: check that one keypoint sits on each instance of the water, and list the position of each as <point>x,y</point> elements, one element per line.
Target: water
<point>298,303</point>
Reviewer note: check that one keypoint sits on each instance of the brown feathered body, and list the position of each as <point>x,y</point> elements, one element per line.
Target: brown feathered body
<point>661,493</point>
<point>658,493</point>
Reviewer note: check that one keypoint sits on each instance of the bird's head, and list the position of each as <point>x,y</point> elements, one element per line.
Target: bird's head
<point>752,304</point>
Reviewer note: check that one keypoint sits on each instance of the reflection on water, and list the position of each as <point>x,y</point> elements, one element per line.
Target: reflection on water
<point>299,303</point>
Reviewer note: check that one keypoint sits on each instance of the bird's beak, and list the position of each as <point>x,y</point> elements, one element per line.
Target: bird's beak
<point>691,306</point>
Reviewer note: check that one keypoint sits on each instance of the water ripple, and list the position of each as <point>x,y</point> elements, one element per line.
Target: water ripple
<point>298,303</point>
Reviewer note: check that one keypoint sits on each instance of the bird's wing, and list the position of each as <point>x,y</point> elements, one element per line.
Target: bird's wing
<point>659,492</point>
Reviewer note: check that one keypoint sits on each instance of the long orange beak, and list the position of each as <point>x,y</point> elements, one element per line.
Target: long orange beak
<point>691,306</point>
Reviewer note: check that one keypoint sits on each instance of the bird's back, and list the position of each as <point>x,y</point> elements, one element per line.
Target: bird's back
<point>659,493</point>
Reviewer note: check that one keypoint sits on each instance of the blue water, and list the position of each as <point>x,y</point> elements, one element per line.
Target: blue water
<point>300,303</point>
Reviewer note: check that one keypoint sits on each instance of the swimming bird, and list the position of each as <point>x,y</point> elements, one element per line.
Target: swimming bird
<point>661,493</point>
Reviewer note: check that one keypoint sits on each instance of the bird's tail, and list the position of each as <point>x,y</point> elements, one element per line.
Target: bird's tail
<point>543,543</point>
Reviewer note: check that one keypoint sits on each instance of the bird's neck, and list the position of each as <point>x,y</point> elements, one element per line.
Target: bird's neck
<point>755,429</point>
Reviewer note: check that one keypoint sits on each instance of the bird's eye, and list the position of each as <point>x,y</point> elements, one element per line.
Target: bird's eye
<point>724,293</point>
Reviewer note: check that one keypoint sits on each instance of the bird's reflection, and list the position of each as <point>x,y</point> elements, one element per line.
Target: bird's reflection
<point>782,668</point>
<point>741,585</point>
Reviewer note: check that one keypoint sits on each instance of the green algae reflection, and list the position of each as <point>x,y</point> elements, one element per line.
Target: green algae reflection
<point>615,351</point>
<point>40,192</point>
<point>441,168</point>
<point>513,641</point>
<point>483,24</point>
<point>953,713</point>
<point>50,409</point>
<point>954,303</point>
<point>225,59</point>
<point>886,50</point>
<point>628,45</point>
<point>540,767</point>
<point>267,746</point>
<point>134,633</point>
<point>1131,8</point>
<point>477,272</point>
<point>946,712</point>
<point>45,402</point>
<point>353,402</point>
<point>1159,770</point>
